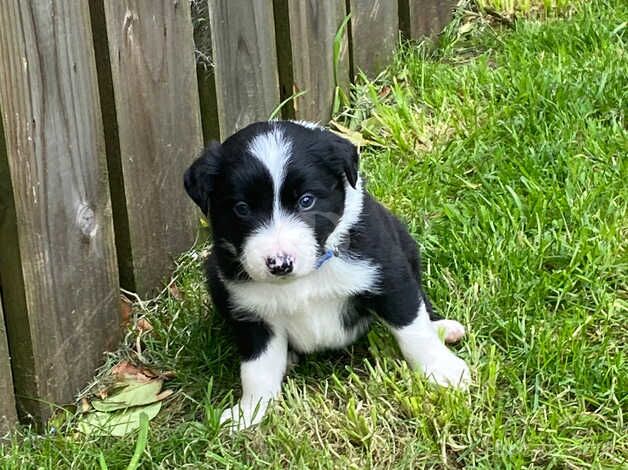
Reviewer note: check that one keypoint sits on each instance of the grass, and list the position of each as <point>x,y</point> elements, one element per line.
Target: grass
<point>505,151</point>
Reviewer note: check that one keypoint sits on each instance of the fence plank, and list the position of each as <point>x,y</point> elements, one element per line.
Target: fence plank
<point>421,18</point>
<point>7,400</point>
<point>313,25</point>
<point>153,76</point>
<point>374,34</point>
<point>61,295</point>
<point>243,42</point>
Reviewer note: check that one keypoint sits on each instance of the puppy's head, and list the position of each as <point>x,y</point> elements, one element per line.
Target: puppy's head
<point>275,193</point>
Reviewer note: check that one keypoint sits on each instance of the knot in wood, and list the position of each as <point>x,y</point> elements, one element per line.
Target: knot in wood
<point>86,220</point>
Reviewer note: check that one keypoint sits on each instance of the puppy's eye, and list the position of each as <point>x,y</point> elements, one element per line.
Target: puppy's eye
<point>242,209</point>
<point>306,201</point>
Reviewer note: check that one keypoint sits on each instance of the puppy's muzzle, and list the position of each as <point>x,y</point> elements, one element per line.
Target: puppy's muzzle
<point>280,265</point>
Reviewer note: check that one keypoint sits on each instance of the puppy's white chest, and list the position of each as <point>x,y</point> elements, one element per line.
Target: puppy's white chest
<point>320,326</point>
<point>309,310</point>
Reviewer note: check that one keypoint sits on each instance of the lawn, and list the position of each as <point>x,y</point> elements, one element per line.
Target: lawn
<point>504,149</point>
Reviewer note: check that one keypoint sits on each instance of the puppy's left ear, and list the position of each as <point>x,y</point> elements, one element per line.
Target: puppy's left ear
<point>343,156</point>
<point>199,178</point>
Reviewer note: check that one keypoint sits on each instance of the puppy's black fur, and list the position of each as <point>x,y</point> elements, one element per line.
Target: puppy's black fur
<point>304,257</point>
<point>320,163</point>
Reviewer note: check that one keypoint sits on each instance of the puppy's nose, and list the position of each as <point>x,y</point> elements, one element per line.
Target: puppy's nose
<point>280,265</point>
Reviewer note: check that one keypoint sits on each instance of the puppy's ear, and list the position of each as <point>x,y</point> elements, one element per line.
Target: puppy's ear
<point>342,156</point>
<point>199,178</point>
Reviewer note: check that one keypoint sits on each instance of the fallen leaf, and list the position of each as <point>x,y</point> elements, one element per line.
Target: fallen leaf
<point>174,291</point>
<point>119,423</point>
<point>126,309</point>
<point>355,137</point>
<point>126,372</point>
<point>167,375</point>
<point>384,92</point>
<point>132,395</point>
<point>465,28</point>
<point>165,394</point>
<point>85,406</point>
<point>144,325</point>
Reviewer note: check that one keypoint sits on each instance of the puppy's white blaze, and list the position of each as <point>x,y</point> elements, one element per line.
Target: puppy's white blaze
<point>273,150</point>
<point>283,235</point>
<point>424,351</point>
<point>261,382</point>
<point>354,201</point>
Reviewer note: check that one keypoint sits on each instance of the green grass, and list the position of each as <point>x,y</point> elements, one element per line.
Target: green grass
<point>525,7</point>
<point>505,151</point>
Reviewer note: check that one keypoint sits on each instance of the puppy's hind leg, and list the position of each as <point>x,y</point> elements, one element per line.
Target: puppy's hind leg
<point>406,314</point>
<point>451,331</point>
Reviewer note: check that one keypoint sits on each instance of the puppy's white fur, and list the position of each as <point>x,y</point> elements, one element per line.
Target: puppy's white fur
<point>451,330</point>
<point>337,279</point>
<point>423,349</point>
<point>354,201</point>
<point>273,150</point>
<point>261,382</point>
<point>306,310</point>
<point>285,235</point>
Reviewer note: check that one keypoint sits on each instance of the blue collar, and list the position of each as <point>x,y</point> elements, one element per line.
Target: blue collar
<point>329,254</point>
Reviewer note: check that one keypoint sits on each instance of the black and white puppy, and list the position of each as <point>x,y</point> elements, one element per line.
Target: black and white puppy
<point>304,258</point>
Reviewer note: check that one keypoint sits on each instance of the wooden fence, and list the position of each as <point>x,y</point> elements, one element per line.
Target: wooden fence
<point>103,106</point>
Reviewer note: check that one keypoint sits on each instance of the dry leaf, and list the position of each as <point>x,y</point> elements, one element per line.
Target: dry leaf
<point>174,291</point>
<point>465,28</point>
<point>137,390</point>
<point>85,406</point>
<point>167,375</point>
<point>144,325</point>
<point>165,394</point>
<point>355,137</point>
<point>126,372</point>
<point>126,309</point>
<point>119,423</point>
<point>135,394</point>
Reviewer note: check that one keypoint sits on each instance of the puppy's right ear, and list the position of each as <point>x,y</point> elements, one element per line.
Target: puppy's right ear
<point>199,178</point>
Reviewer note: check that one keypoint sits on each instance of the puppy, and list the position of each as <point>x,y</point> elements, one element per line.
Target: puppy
<point>304,258</point>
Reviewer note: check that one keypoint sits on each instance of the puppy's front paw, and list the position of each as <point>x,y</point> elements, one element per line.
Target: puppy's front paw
<point>448,371</point>
<point>242,416</point>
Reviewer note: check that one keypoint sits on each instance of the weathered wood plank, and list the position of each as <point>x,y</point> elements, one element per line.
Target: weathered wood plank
<point>8,414</point>
<point>421,18</point>
<point>159,133</point>
<point>374,34</point>
<point>243,42</point>
<point>313,25</point>
<point>57,256</point>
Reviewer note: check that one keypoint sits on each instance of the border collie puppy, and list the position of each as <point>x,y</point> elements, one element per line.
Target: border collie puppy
<point>304,258</point>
